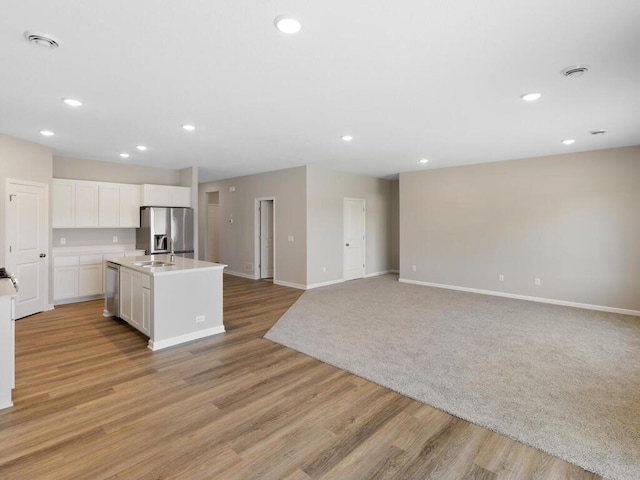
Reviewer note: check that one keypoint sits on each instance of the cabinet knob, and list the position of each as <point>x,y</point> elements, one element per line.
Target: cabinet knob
<point>42,255</point>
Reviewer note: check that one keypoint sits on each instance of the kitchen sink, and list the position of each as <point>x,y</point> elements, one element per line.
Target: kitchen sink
<point>152,263</point>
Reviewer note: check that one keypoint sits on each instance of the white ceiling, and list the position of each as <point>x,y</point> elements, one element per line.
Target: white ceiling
<point>408,79</point>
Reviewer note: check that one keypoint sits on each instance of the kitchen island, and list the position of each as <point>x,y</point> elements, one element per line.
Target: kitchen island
<point>172,301</point>
<point>8,293</point>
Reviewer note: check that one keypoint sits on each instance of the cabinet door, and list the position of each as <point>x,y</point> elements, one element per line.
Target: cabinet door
<point>108,205</point>
<point>146,311</point>
<point>136,302</point>
<point>90,277</point>
<point>63,199</point>
<point>155,196</point>
<point>86,204</point>
<point>180,196</point>
<point>126,293</point>
<point>65,281</point>
<point>129,206</point>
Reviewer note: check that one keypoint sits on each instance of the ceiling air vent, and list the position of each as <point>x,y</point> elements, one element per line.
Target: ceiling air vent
<point>598,132</point>
<point>42,39</point>
<point>575,71</point>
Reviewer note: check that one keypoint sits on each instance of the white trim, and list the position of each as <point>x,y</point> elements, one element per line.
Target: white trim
<point>6,405</point>
<point>50,307</point>
<point>290,284</point>
<point>187,337</point>
<point>240,274</point>
<point>552,301</point>
<point>325,284</point>
<point>383,272</point>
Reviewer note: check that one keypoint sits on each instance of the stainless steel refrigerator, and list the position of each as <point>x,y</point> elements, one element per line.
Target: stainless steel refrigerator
<point>162,226</point>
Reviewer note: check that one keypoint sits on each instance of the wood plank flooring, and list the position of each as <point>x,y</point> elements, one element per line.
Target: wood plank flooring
<point>92,402</point>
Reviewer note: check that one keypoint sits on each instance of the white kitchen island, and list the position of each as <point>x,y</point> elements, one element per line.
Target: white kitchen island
<point>7,341</point>
<point>171,304</point>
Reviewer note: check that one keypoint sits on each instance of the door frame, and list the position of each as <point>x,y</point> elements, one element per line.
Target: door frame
<point>47,247</point>
<point>344,234</point>
<point>256,237</point>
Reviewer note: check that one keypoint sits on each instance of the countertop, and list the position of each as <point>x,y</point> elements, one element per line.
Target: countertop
<point>180,265</point>
<point>6,288</point>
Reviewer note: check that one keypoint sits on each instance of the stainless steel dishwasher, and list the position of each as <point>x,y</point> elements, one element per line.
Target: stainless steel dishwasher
<point>112,290</point>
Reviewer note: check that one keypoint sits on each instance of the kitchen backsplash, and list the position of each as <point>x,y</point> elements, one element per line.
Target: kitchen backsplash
<point>78,237</point>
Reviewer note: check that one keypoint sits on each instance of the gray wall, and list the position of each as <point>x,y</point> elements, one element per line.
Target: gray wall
<point>23,160</point>
<point>237,238</point>
<point>326,190</point>
<point>189,178</point>
<point>83,169</point>
<point>572,220</point>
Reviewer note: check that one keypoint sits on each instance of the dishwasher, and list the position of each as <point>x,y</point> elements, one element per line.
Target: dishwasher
<point>112,290</point>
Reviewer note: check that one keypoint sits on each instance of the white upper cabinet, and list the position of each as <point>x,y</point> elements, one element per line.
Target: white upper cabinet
<point>165,196</point>
<point>82,204</point>
<point>129,206</point>
<point>63,197</point>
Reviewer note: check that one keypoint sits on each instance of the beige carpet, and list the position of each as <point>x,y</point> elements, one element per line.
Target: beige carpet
<point>564,380</point>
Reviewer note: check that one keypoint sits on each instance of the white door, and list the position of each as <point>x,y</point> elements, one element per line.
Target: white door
<point>354,252</point>
<point>266,238</point>
<point>28,244</point>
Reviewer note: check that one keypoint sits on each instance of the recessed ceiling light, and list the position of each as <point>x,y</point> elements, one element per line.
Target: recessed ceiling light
<point>568,141</point>
<point>598,132</point>
<point>42,39</point>
<point>287,25</point>
<point>575,71</point>
<point>530,97</point>
<point>189,128</point>
<point>347,138</point>
<point>47,133</point>
<point>142,148</point>
<point>125,155</point>
<point>71,102</point>
<point>424,160</point>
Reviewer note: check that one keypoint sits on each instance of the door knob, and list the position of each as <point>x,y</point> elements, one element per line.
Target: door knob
<point>42,255</point>
<point>347,244</point>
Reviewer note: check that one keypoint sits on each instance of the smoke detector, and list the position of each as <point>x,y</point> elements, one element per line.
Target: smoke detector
<point>42,39</point>
<point>575,71</point>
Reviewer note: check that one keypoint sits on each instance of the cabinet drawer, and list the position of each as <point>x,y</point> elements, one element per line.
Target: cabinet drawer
<point>66,261</point>
<point>95,259</point>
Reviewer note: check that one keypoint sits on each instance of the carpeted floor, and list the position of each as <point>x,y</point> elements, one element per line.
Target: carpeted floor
<point>564,380</point>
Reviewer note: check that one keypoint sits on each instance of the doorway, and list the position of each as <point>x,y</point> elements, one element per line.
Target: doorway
<point>27,240</point>
<point>265,228</point>
<point>354,238</point>
<point>213,227</point>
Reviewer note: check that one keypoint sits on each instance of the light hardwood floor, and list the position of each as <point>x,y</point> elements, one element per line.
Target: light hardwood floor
<point>92,402</point>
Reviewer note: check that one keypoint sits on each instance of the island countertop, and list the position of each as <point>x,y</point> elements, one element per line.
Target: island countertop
<point>179,265</point>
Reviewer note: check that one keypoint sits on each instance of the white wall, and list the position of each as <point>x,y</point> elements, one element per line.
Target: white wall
<point>237,239</point>
<point>326,190</point>
<point>571,220</point>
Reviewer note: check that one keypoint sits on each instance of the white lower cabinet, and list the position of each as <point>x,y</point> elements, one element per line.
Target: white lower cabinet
<point>135,299</point>
<point>66,282</point>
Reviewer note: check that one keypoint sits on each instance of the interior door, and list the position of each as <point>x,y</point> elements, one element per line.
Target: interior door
<point>28,244</point>
<point>266,238</point>
<point>354,233</point>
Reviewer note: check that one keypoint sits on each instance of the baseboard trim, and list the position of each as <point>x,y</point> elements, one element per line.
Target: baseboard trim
<point>325,284</point>
<point>383,272</point>
<point>187,337</point>
<point>586,306</point>
<point>50,307</point>
<point>240,274</point>
<point>290,284</point>
<point>86,298</point>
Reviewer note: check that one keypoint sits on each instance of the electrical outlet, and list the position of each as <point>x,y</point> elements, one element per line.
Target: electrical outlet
<point>324,269</point>
<point>115,239</point>
<point>200,319</point>
<point>414,268</point>
<point>63,241</point>
<point>537,281</point>
<point>501,277</point>
<point>290,238</point>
